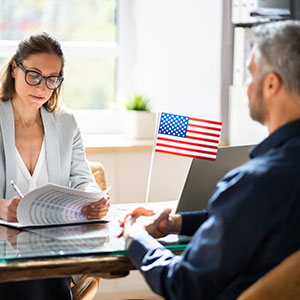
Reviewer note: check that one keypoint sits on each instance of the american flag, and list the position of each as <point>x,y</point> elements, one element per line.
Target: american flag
<point>185,136</point>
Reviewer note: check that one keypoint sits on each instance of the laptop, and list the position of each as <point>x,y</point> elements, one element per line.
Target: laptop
<point>204,174</point>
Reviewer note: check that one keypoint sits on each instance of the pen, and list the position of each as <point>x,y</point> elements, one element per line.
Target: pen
<point>16,189</point>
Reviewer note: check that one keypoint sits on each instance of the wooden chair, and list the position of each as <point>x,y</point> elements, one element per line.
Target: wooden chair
<point>281,283</point>
<point>87,286</point>
<point>99,174</point>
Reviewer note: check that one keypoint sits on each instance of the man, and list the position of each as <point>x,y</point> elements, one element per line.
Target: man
<point>253,219</point>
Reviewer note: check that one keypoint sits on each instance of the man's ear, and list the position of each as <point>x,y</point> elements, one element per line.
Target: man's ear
<point>13,68</point>
<point>271,85</point>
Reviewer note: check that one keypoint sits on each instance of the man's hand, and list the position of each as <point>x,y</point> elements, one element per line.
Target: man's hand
<point>8,209</point>
<point>144,220</point>
<point>97,210</point>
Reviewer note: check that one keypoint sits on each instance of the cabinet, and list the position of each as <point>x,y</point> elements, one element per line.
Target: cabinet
<point>244,14</point>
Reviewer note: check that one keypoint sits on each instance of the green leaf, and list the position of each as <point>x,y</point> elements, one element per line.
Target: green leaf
<point>139,103</point>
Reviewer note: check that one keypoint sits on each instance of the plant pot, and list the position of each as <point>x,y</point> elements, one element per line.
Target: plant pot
<point>139,124</point>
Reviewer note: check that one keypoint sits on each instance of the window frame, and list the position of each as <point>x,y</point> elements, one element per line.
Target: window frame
<point>121,51</point>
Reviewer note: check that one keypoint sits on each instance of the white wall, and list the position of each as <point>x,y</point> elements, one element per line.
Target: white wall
<point>128,171</point>
<point>176,55</point>
<point>172,54</point>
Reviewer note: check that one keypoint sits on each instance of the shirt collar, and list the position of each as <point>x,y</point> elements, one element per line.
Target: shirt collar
<point>277,138</point>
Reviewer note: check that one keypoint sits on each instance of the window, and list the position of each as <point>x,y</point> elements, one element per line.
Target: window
<point>87,30</point>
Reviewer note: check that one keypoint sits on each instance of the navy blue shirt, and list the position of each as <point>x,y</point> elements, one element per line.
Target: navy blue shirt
<point>251,224</point>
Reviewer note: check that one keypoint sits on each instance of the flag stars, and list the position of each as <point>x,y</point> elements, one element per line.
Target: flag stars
<point>173,125</point>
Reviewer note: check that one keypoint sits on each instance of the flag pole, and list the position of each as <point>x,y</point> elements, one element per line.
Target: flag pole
<point>152,158</point>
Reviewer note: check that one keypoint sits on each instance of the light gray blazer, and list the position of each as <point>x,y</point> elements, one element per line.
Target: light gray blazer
<point>65,154</point>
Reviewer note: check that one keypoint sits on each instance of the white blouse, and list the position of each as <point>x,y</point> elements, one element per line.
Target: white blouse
<point>27,182</point>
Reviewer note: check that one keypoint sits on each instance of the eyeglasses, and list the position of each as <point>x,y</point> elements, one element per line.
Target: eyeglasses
<point>35,78</point>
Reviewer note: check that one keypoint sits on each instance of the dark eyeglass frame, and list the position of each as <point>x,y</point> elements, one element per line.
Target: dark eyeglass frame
<point>60,77</point>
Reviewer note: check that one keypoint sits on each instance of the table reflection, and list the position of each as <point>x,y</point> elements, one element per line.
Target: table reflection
<point>59,241</point>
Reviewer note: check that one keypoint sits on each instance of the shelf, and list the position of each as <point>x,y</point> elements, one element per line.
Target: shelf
<point>114,142</point>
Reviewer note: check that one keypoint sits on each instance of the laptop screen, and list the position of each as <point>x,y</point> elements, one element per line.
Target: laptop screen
<point>204,174</point>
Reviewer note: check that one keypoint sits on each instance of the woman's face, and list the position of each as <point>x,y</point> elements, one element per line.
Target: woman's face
<point>35,96</point>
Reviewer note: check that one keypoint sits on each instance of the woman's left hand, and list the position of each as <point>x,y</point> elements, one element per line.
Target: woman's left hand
<point>97,210</point>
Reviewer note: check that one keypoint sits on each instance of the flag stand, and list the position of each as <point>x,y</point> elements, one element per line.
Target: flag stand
<point>186,136</point>
<point>152,158</point>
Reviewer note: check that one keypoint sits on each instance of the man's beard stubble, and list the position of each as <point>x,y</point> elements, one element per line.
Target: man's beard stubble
<point>258,110</point>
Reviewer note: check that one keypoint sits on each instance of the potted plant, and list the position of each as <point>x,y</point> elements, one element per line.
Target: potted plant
<point>139,121</point>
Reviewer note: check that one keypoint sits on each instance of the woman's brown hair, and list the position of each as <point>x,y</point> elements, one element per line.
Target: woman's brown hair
<point>33,44</point>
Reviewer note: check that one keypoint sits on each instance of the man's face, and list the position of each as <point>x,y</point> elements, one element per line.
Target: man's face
<point>254,83</point>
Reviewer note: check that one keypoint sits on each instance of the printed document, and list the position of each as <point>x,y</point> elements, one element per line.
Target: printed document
<point>52,205</point>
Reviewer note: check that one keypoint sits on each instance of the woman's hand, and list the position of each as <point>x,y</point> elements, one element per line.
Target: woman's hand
<point>97,210</point>
<point>8,209</point>
<point>9,235</point>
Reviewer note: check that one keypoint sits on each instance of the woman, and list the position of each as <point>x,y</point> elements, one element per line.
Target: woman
<point>39,143</point>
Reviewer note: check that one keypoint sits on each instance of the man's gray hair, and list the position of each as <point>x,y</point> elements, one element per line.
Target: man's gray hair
<point>278,50</point>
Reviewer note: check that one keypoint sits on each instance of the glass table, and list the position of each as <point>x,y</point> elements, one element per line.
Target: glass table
<point>66,250</point>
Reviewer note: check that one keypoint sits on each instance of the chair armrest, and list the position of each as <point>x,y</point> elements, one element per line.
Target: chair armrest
<point>281,283</point>
<point>99,174</point>
<point>86,288</point>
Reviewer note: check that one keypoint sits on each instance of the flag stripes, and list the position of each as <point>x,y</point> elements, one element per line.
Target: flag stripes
<point>205,127</point>
<point>189,143</point>
<point>204,133</point>
<point>187,155</point>
<point>206,121</point>
<point>187,149</point>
